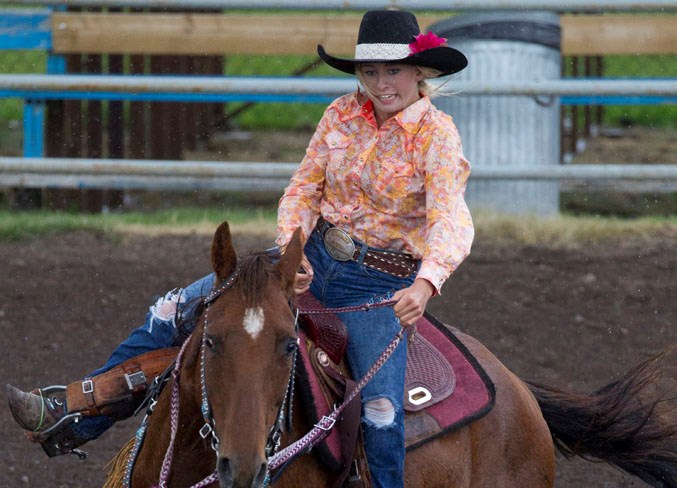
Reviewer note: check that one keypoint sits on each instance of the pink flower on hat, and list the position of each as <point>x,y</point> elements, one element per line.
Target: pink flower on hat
<point>423,42</point>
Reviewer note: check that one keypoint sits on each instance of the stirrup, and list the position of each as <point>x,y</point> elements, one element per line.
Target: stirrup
<point>60,438</point>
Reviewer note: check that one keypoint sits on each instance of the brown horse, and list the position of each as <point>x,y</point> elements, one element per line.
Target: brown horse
<point>238,361</point>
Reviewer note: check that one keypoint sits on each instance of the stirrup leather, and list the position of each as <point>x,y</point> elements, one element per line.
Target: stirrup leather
<point>118,392</point>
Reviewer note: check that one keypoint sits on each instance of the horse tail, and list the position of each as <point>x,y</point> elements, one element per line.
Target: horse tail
<point>626,423</point>
<point>117,467</point>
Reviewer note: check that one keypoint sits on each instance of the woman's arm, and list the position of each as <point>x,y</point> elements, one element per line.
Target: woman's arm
<point>300,203</point>
<point>449,226</point>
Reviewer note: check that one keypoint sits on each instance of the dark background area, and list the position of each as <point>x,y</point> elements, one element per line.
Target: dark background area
<point>575,318</point>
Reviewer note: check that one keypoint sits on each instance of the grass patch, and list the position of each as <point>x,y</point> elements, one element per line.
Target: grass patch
<point>610,204</point>
<point>26,225</point>
<point>571,232</point>
<point>557,232</point>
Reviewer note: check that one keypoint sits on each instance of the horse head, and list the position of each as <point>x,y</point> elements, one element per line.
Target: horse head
<point>249,338</point>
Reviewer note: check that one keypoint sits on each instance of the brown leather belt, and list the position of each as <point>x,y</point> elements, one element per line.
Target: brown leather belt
<point>397,264</point>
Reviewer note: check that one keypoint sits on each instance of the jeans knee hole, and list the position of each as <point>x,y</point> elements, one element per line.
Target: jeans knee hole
<point>380,412</point>
<point>165,308</point>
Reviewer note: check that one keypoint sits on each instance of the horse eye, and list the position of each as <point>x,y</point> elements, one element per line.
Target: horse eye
<point>209,342</point>
<point>292,346</point>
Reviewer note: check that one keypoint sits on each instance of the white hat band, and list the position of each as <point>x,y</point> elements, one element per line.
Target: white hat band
<point>382,51</point>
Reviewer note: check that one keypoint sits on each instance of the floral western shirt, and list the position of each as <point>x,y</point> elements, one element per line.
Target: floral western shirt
<point>398,187</point>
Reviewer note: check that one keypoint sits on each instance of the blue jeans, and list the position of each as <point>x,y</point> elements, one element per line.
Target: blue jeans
<point>347,283</point>
<point>158,331</point>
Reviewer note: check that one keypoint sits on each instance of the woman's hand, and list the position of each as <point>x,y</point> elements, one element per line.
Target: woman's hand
<point>411,302</point>
<point>304,276</point>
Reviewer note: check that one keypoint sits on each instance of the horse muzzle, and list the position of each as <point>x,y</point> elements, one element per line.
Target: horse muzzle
<point>233,475</point>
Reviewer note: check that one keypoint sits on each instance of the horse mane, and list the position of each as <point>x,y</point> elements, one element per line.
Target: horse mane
<point>116,469</point>
<point>256,270</point>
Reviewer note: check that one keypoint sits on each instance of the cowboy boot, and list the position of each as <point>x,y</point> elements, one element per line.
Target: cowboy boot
<point>44,415</point>
<point>35,411</point>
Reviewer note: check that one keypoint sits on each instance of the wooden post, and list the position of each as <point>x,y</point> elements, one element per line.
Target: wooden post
<point>92,200</point>
<point>116,133</point>
<point>64,126</point>
<point>137,110</point>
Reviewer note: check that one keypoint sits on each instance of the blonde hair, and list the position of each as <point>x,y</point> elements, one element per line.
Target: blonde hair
<point>423,86</point>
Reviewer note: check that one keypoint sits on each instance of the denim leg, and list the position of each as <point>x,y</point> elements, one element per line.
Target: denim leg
<point>339,284</point>
<point>385,451</point>
<point>158,331</point>
<point>369,334</point>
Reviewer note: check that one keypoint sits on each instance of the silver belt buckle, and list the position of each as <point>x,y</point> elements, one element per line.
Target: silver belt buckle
<point>339,244</point>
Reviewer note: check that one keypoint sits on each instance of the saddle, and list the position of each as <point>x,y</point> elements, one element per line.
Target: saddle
<point>445,388</point>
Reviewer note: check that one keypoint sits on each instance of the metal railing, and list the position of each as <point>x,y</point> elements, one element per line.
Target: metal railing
<point>125,174</point>
<point>457,5</point>
<point>262,176</point>
<point>200,88</point>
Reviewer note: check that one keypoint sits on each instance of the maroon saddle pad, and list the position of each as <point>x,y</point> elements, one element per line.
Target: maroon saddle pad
<point>446,388</point>
<point>473,395</point>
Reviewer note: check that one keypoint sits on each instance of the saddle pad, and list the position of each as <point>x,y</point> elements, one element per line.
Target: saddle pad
<point>429,377</point>
<point>474,393</point>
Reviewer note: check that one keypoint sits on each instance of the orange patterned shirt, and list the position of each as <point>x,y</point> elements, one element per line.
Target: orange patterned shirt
<point>398,187</point>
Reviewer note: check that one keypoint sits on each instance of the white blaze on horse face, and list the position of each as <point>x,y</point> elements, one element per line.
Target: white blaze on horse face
<point>253,321</point>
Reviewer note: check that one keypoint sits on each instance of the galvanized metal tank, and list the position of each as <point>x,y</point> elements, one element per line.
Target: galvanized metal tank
<point>507,130</point>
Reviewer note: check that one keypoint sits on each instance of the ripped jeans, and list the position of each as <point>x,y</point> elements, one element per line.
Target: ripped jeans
<point>158,331</point>
<point>348,283</point>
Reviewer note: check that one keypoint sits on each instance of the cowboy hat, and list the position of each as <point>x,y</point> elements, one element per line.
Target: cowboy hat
<point>393,36</point>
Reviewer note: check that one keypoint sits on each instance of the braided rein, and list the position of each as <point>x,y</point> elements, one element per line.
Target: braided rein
<point>365,307</point>
<point>315,435</point>
<point>326,423</point>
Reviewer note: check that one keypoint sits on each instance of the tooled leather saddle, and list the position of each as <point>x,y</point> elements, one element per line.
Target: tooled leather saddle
<point>445,387</point>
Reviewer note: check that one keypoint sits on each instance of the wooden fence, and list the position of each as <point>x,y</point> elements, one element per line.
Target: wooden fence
<point>151,42</point>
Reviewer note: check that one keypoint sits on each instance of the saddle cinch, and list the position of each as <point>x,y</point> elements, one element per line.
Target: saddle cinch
<point>445,387</point>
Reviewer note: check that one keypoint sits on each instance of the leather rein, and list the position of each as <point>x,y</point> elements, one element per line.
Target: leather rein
<point>275,459</point>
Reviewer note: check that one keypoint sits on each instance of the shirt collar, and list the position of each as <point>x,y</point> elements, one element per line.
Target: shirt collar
<point>409,119</point>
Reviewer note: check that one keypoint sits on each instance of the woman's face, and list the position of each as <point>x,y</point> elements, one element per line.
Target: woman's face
<point>391,87</point>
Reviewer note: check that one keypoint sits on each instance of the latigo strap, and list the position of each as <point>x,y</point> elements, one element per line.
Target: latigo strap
<point>103,394</point>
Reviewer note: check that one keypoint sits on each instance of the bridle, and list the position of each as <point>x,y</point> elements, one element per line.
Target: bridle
<point>205,407</point>
<point>276,459</point>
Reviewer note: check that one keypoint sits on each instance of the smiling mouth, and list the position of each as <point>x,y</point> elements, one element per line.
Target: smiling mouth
<point>386,97</point>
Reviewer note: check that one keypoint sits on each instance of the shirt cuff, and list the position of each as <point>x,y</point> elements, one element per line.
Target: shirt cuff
<point>434,274</point>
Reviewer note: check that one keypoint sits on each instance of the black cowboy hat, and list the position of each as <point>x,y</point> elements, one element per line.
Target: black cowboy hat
<point>394,36</point>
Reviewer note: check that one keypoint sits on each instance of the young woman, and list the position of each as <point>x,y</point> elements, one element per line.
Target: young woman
<point>380,198</point>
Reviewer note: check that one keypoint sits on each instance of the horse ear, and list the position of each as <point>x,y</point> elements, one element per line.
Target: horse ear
<point>224,259</point>
<point>291,259</point>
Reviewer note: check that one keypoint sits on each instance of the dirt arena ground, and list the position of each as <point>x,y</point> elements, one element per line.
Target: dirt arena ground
<point>573,318</point>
